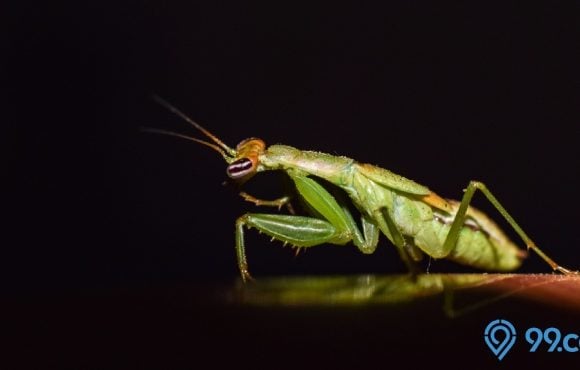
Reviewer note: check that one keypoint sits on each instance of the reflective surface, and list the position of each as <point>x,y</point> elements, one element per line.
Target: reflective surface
<point>354,320</point>
<point>563,291</point>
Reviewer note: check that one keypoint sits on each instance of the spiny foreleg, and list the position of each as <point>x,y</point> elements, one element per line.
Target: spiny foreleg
<point>298,231</point>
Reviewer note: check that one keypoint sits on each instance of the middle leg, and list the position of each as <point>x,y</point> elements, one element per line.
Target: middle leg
<point>388,227</point>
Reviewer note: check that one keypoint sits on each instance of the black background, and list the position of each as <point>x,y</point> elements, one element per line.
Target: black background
<point>440,93</point>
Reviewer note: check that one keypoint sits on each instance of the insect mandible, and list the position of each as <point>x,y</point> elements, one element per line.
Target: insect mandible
<point>415,219</point>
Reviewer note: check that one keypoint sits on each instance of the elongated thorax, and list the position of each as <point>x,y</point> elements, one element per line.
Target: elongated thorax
<point>326,166</point>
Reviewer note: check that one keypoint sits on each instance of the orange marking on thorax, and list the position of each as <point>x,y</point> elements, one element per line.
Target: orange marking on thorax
<point>436,201</point>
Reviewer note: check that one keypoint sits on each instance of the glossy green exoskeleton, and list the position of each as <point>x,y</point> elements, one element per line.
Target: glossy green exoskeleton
<point>416,220</point>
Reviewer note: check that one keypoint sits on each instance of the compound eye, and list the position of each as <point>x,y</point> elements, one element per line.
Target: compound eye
<point>240,168</point>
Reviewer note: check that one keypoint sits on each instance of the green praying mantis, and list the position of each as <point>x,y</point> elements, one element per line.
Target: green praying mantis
<point>416,220</point>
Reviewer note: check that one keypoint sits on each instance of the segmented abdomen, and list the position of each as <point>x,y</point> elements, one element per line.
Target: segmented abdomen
<point>481,242</point>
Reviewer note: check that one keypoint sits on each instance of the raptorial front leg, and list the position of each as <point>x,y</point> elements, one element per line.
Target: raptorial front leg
<point>338,227</point>
<point>459,220</point>
<point>298,231</point>
<point>337,213</point>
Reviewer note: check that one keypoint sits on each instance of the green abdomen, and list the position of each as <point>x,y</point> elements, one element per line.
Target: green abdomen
<point>481,243</point>
<point>475,247</point>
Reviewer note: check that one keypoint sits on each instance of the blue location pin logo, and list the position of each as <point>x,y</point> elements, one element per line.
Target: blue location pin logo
<point>501,346</point>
